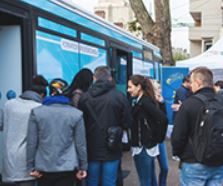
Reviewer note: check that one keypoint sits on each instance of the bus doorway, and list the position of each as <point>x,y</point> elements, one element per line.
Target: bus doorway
<point>10,56</point>
<point>10,60</point>
<point>122,68</point>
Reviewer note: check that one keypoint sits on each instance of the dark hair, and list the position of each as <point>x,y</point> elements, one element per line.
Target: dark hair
<point>186,79</point>
<point>219,83</point>
<point>102,73</point>
<point>82,80</point>
<point>39,84</point>
<point>204,74</point>
<point>146,85</point>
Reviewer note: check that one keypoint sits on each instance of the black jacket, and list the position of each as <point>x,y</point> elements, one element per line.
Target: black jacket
<point>145,115</point>
<point>111,108</point>
<point>184,126</point>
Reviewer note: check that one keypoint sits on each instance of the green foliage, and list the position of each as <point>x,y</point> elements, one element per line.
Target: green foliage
<point>134,26</point>
<point>179,55</point>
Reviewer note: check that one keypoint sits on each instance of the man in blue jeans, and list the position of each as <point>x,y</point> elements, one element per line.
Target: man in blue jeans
<point>110,108</point>
<point>193,173</point>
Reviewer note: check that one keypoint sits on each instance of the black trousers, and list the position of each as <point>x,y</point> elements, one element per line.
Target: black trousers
<point>57,179</point>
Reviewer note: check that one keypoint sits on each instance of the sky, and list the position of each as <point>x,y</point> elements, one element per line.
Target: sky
<point>179,14</point>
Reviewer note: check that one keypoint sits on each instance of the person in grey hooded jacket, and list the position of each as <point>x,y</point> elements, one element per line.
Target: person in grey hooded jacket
<point>56,140</point>
<point>14,124</point>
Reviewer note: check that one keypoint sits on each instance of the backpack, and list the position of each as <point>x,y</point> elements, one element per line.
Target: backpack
<point>207,139</point>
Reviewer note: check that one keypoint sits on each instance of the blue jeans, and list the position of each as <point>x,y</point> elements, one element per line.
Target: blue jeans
<point>163,164</point>
<point>145,168</point>
<point>196,174</point>
<point>102,171</point>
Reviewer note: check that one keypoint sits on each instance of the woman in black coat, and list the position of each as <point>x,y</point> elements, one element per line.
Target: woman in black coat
<point>146,115</point>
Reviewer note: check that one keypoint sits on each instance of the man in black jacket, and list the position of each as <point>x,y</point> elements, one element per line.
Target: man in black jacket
<point>191,171</point>
<point>110,108</point>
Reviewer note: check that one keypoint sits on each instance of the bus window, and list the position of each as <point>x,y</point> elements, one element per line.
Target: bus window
<point>92,39</point>
<point>142,68</point>
<point>121,64</point>
<point>92,57</point>
<point>57,57</point>
<point>50,25</point>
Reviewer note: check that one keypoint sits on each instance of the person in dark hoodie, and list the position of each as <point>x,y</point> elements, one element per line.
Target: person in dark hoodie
<point>56,140</point>
<point>112,109</point>
<point>14,124</point>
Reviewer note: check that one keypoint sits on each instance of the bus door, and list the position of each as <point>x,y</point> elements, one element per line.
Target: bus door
<point>11,67</point>
<point>121,68</point>
<point>16,50</point>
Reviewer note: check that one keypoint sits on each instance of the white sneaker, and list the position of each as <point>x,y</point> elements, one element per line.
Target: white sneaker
<point>175,158</point>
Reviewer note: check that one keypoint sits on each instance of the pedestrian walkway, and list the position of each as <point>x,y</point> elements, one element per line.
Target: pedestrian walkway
<point>132,179</point>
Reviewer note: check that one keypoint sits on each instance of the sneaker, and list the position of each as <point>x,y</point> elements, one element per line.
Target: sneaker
<point>175,158</point>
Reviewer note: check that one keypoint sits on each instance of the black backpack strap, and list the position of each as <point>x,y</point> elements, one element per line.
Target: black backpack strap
<point>90,109</point>
<point>201,97</point>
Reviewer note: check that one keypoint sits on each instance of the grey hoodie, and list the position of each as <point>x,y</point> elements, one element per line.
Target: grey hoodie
<point>14,124</point>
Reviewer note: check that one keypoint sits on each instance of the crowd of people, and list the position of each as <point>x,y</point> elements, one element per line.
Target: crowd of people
<point>73,135</point>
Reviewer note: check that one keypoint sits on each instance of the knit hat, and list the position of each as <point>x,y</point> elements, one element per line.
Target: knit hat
<point>58,86</point>
<point>11,94</point>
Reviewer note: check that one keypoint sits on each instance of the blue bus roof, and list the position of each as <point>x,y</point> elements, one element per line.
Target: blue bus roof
<point>84,18</point>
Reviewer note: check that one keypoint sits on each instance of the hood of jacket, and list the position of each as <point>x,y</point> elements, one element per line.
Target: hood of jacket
<point>100,87</point>
<point>31,95</point>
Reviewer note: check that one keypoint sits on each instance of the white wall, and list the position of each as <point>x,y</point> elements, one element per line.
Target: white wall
<point>10,65</point>
<point>11,60</point>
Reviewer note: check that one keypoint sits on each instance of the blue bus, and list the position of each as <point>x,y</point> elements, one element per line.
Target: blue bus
<point>56,39</point>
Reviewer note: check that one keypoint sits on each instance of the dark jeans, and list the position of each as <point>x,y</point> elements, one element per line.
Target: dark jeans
<point>57,179</point>
<point>26,183</point>
<point>104,171</point>
<point>145,168</point>
<point>163,164</point>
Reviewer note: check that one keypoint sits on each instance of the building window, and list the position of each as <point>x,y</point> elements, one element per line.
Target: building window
<point>100,13</point>
<point>207,44</point>
<point>119,24</point>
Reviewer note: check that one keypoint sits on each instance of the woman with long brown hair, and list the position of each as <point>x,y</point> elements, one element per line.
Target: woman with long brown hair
<point>146,114</point>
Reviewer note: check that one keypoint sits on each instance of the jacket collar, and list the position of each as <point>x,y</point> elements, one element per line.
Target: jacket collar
<point>31,95</point>
<point>205,90</point>
<point>56,100</point>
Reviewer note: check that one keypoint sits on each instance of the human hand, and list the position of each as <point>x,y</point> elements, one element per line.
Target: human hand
<point>36,174</point>
<point>81,174</point>
<point>175,107</point>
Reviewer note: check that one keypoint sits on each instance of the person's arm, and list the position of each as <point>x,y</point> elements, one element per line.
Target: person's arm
<point>1,119</point>
<point>80,144</point>
<point>32,142</point>
<point>179,137</point>
<point>126,114</point>
<point>154,111</point>
<point>181,95</point>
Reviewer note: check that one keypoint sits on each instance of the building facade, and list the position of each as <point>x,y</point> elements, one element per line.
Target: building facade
<point>117,12</point>
<point>208,24</point>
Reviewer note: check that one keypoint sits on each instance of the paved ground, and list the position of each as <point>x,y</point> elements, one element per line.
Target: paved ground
<point>132,179</point>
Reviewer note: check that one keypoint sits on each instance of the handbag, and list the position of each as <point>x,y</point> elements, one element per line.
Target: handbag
<point>113,133</point>
<point>114,138</point>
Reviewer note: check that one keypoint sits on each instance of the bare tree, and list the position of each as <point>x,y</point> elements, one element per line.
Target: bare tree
<point>156,31</point>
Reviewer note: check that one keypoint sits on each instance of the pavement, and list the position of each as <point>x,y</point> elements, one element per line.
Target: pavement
<point>132,178</point>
